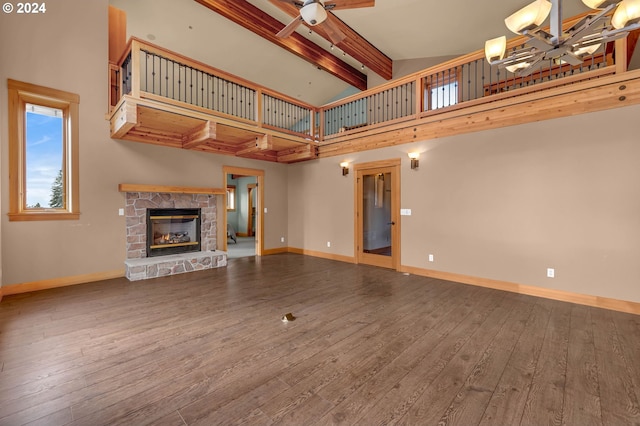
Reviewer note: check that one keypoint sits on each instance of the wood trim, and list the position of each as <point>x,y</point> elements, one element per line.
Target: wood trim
<point>323,255</point>
<point>117,33</point>
<point>60,282</point>
<point>385,166</point>
<point>377,164</point>
<point>563,296</point>
<point>259,174</point>
<point>578,98</point>
<point>19,94</point>
<point>621,55</point>
<point>135,68</point>
<point>125,112</point>
<point>279,250</point>
<point>130,187</point>
<point>254,19</point>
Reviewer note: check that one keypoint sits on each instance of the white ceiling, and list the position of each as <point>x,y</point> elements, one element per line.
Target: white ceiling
<point>402,29</point>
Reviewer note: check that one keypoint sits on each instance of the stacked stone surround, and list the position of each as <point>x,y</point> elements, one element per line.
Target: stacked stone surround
<point>138,266</point>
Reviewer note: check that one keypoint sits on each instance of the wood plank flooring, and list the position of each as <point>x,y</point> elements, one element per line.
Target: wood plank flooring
<point>368,346</point>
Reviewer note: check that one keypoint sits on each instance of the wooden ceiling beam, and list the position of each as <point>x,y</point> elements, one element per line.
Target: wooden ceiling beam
<point>254,19</point>
<point>353,44</point>
<point>202,134</point>
<point>261,143</point>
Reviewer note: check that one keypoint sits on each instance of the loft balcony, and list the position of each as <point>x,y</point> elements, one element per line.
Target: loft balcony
<point>161,97</point>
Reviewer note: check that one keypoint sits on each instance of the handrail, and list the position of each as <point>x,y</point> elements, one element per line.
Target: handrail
<point>449,85</point>
<point>456,81</point>
<point>153,72</point>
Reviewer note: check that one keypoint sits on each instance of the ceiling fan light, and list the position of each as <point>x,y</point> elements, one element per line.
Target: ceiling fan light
<point>313,13</point>
<point>599,4</point>
<point>495,48</point>
<point>628,12</point>
<point>529,17</point>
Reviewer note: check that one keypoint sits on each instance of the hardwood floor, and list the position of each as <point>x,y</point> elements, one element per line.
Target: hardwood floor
<point>368,346</point>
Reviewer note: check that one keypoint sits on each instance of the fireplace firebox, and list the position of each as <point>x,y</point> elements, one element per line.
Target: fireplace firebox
<point>172,231</point>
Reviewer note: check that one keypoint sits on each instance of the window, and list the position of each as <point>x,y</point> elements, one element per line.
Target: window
<point>43,153</point>
<point>231,197</point>
<point>443,96</point>
<point>441,90</point>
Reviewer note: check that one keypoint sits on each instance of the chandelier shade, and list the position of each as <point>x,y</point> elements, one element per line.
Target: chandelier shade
<point>495,48</point>
<point>529,17</point>
<point>628,12</point>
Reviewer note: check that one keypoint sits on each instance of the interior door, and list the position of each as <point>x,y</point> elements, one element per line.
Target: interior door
<point>377,215</point>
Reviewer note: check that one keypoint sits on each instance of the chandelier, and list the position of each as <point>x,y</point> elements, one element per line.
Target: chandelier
<point>561,46</point>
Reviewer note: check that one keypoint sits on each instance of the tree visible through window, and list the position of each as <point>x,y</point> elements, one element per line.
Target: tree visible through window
<point>43,153</point>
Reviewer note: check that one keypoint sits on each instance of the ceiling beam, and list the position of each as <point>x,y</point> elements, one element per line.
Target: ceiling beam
<point>353,44</point>
<point>252,18</point>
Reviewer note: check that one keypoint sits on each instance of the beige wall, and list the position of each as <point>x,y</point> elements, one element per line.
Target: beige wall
<point>67,49</point>
<point>504,204</point>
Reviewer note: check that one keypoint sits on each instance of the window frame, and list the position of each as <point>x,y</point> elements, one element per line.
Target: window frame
<point>231,198</point>
<point>21,94</point>
<point>440,81</point>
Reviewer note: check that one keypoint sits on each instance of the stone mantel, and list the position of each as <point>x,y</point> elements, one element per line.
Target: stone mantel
<point>131,187</point>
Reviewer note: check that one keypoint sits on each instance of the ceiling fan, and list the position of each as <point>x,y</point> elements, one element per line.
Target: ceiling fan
<point>314,12</point>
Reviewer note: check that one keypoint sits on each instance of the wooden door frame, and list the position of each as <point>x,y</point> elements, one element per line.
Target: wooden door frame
<point>259,174</point>
<point>393,164</point>
<point>250,188</point>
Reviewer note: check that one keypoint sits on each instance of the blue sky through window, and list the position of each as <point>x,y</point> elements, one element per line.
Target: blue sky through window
<point>44,151</point>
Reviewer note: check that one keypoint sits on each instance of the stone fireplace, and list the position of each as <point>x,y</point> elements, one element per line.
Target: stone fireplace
<point>177,243</point>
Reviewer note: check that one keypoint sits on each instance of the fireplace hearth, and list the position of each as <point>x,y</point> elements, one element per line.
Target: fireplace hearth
<point>172,231</point>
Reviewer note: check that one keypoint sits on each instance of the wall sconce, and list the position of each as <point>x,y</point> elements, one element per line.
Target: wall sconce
<point>415,162</point>
<point>345,168</point>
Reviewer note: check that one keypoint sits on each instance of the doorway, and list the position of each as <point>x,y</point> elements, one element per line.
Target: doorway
<point>377,213</point>
<point>243,216</point>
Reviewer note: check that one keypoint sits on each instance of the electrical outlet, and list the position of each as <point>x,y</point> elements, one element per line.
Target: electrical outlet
<point>551,273</point>
<point>121,212</point>
<point>328,243</point>
<point>282,239</point>
<point>430,258</point>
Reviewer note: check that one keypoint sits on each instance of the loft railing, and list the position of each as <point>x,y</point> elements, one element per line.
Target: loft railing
<point>149,71</point>
<point>458,83</point>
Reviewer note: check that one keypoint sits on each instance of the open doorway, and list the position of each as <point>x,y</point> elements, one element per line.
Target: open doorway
<point>243,216</point>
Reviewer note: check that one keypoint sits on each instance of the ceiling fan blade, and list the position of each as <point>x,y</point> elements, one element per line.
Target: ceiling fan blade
<point>290,28</point>
<point>332,28</point>
<point>349,4</point>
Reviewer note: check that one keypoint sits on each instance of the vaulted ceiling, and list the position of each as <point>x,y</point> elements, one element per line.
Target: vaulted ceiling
<point>404,31</point>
